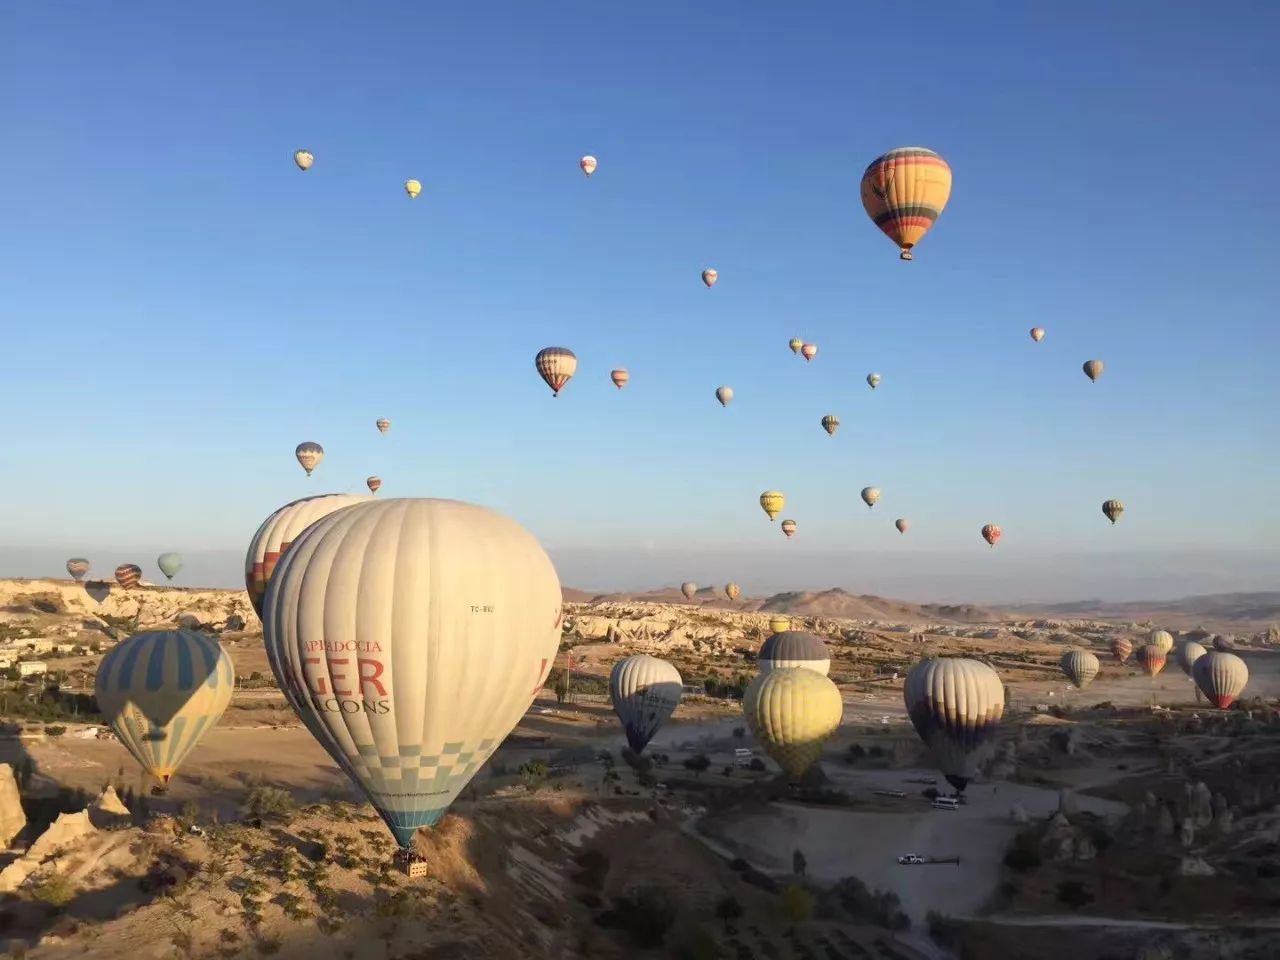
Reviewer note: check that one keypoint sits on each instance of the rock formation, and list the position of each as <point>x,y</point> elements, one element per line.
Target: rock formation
<point>13,819</point>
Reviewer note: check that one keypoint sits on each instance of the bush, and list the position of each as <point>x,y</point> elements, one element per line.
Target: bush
<point>264,801</point>
<point>795,904</point>
<point>931,793</point>
<point>593,868</point>
<point>646,916</point>
<point>1073,894</point>
<point>879,907</point>
<point>739,733</point>
<point>55,891</point>
<point>757,765</point>
<point>1022,854</point>
<point>697,763</point>
<point>533,772</point>
<point>55,730</point>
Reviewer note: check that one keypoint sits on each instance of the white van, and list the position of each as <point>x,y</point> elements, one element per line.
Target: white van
<point>946,803</point>
<point>742,757</point>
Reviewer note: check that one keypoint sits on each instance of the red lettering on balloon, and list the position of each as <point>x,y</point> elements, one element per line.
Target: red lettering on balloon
<point>338,677</point>
<point>370,678</point>
<point>318,688</point>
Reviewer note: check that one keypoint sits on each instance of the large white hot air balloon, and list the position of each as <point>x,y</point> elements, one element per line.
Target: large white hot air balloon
<point>1081,667</point>
<point>1221,677</point>
<point>955,706</point>
<point>645,691</point>
<point>1188,653</point>
<point>410,636</point>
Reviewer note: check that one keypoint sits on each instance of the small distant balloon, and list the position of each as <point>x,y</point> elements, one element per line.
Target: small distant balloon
<point>1037,334</point>
<point>304,159</point>
<point>1151,659</point>
<point>901,524</point>
<point>1121,648</point>
<point>789,528</point>
<point>772,502</point>
<point>795,344</point>
<point>732,591</point>
<point>309,454</point>
<point>904,192</point>
<point>779,624</point>
<point>619,378</point>
<point>688,588</point>
<point>1112,510</point>
<point>78,567</point>
<point>412,188</point>
<point>588,164</point>
<point>870,495</point>
<point>128,575</point>
<point>809,351</point>
<point>724,395</point>
<point>1162,639</point>
<point>1093,369</point>
<point>373,483</point>
<point>991,533</point>
<point>709,277</point>
<point>383,424</point>
<point>556,365</point>
<point>169,564</point>
<point>831,424</point>
<point>1080,667</point>
<point>873,380</point>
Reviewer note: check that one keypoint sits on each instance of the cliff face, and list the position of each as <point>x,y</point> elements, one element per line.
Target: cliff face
<point>106,603</point>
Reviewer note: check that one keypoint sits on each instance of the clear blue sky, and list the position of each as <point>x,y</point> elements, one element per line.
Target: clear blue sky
<point>181,306</point>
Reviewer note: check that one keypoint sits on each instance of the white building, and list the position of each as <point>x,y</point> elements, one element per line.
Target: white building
<point>30,668</point>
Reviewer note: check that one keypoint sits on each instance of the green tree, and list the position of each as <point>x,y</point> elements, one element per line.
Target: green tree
<point>562,687</point>
<point>728,909</point>
<point>796,904</point>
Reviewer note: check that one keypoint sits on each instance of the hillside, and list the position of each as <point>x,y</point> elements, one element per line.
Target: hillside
<point>1216,611</point>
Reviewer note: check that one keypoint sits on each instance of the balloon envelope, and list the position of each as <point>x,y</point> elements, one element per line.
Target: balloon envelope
<point>1081,667</point>
<point>724,395</point>
<point>772,502</point>
<point>1151,659</point>
<point>1037,334</point>
<point>809,351</point>
<point>1093,369</point>
<point>374,484</point>
<point>955,705</point>
<point>162,691</point>
<point>645,691</point>
<point>1188,653</point>
<point>991,533</point>
<point>410,636</point>
<point>870,495</point>
<point>831,424</point>
<point>1221,677</point>
<point>732,591</point>
<point>169,564</point>
<point>304,159</point>
<point>688,588</point>
<point>309,454</point>
<point>1112,509</point>
<point>556,365</point>
<point>78,567</point>
<point>1162,639</point>
<point>795,344</point>
<point>873,380</point>
<point>709,277</point>
<point>902,524</point>
<point>383,425</point>
<point>904,192</point>
<point>1121,648</point>
<point>128,575</point>
<point>792,711</point>
<point>788,527</point>
<point>779,624</point>
<point>412,188</point>
<point>619,378</point>
<point>588,165</point>
<point>794,648</point>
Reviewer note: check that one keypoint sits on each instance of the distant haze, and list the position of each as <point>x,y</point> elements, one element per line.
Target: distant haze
<point>980,575</point>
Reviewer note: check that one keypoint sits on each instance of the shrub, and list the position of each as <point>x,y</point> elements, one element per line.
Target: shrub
<point>646,916</point>
<point>1073,894</point>
<point>55,731</point>
<point>533,772</point>
<point>757,765</point>
<point>55,891</point>
<point>593,867</point>
<point>739,733</point>
<point>264,801</point>
<point>697,763</point>
<point>795,904</point>
<point>728,909</point>
<point>1022,854</point>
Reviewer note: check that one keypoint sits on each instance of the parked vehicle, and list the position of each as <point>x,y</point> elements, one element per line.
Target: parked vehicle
<point>897,794</point>
<point>911,858</point>
<point>946,803</point>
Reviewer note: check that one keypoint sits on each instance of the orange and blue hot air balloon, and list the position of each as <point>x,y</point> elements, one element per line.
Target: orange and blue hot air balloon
<point>904,192</point>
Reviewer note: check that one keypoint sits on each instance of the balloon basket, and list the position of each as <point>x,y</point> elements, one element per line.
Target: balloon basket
<point>410,864</point>
<point>159,790</point>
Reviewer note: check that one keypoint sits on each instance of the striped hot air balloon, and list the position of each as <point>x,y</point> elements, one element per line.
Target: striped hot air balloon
<point>645,691</point>
<point>128,575</point>
<point>1151,659</point>
<point>792,711</point>
<point>1221,677</point>
<point>78,567</point>
<point>278,531</point>
<point>1093,369</point>
<point>955,705</point>
<point>162,691</point>
<point>1112,509</point>
<point>619,377</point>
<point>383,424</point>
<point>709,277</point>
<point>732,591</point>
<point>794,648</point>
<point>1162,639</point>
<point>309,455</point>
<point>809,351</point>
<point>870,496</point>
<point>772,502</point>
<point>991,533</point>
<point>779,624</point>
<point>556,365</point>
<point>1121,648</point>
<point>904,192</point>
<point>830,423</point>
<point>789,528</point>
<point>1080,667</point>
<point>795,344</point>
<point>374,484</point>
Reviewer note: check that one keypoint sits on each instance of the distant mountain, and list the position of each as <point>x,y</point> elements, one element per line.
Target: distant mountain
<point>1222,611</point>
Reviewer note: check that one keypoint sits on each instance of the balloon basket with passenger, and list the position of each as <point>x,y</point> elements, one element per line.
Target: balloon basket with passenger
<point>410,863</point>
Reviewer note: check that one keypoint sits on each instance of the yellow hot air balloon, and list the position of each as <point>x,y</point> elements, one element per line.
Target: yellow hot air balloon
<point>830,423</point>
<point>779,624</point>
<point>556,365</point>
<point>1162,639</point>
<point>161,691</point>
<point>410,636</point>
<point>645,691</point>
<point>278,531</point>
<point>412,188</point>
<point>304,159</point>
<point>772,502</point>
<point>955,705</point>
<point>1080,666</point>
<point>709,277</point>
<point>795,344</point>
<point>904,192</point>
<point>792,711</point>
<point>732,591</point>
<point>588,165</point>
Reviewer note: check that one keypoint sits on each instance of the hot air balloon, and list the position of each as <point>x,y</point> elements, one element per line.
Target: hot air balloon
<point>410,636</point>
<point>779,624</point>
<point>1151,659</point>
<point>1162,639</point>
<point>772,503</point>
<point>1222,644</point>
<point>873,380</point>
<point>732,591</point>
<point>278,531</point>
<point>1081,667</point>
<point>808,351</point>
<point>1221,677</point>
<point>588,164</point>
<point>1112,510</point>
<point>128,575</point>
<point>645,691</point>
<point>1121,649</point>
<point>869,496</point>
<point>556,365</point>
<point>791,711</point>
<point>1093,369</point>
<point>901,524</point>
<point>304,159</point>
<point>688,588</point>
<point>1188,653</point>
<point>383,424</point>
<point>78,567</point>
<point>991,533</point>
<point>412,188</point>
<point>955,706</point>
<point>788,527</point>
<point>794,648</point>
<point>373,483</point>
<point>1037,334</point>
<point>169,564</point>
<point>709,277</point>
<point>619,378</point>
<point>309,455</point>
<point>831,424</point>
<point>724,395</point>
<point>161,691</point>
<point>904,192</point>
<point>795,344</point>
